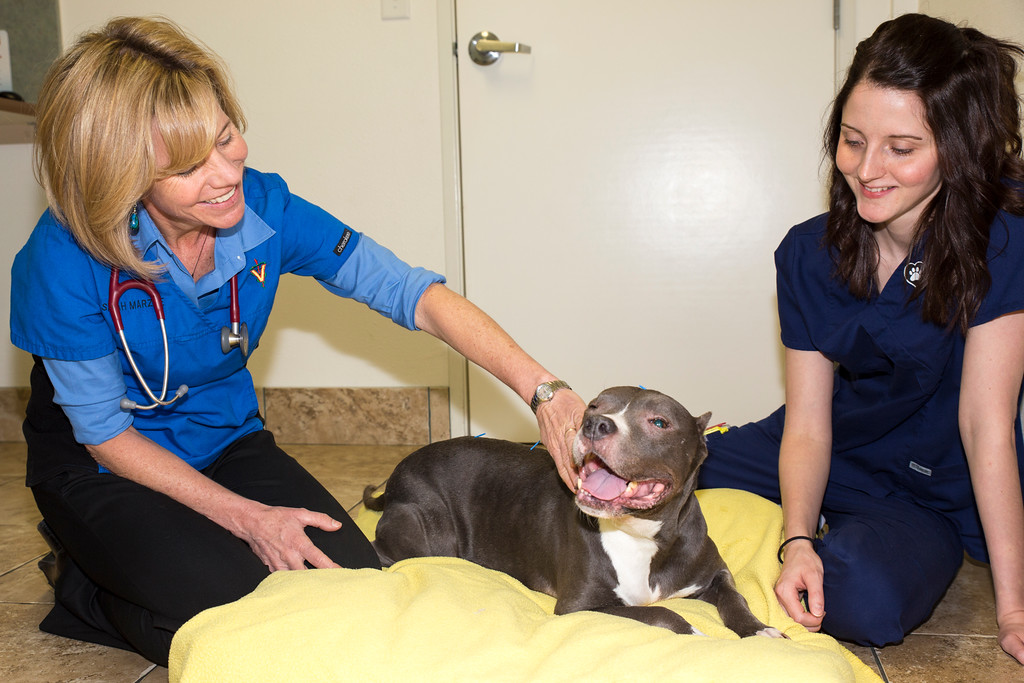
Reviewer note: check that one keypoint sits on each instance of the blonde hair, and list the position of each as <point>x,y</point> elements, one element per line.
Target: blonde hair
<point>95,120</point>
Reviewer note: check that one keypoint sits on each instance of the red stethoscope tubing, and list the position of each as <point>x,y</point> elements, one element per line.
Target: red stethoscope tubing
<point>238,333</point>
<point>236,336</point>
<point>119,288</point>
<point>236,317</point>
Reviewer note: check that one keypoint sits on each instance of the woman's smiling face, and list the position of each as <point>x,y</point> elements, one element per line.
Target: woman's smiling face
<point>888,155</point>
<point>210,194</point>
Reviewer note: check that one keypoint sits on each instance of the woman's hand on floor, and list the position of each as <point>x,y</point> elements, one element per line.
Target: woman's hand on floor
<point>1011,635</point>
<point>802,573</point>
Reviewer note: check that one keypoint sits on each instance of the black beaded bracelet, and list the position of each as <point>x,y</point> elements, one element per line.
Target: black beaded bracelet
<point>790,540</point>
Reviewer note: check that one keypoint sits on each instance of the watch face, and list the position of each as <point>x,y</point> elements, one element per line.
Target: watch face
<point>544,393</point>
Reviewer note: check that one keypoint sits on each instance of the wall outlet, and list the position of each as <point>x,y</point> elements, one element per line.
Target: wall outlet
<point>394,9</point>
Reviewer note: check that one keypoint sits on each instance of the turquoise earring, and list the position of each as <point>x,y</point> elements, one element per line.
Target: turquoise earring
<point>133,220</point>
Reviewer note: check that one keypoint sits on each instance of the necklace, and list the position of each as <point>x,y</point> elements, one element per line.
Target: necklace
<point>200,257</point>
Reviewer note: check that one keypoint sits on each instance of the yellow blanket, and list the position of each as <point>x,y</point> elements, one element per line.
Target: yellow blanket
<point>444,619</point>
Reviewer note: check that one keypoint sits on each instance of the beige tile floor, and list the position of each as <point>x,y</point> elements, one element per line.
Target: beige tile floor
<point>957,645</point>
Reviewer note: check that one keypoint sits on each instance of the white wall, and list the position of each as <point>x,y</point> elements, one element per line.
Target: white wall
<point>998,18</point>
<point>345,106</point>
<point>21,202</point>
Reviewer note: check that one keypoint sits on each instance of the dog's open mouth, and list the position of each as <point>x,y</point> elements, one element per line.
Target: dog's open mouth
<point>599,486</point>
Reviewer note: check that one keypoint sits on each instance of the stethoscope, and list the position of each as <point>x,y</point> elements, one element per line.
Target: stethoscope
<point>230,337</point>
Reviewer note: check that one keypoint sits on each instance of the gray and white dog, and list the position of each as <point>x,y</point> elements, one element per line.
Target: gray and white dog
<point>641,536</point>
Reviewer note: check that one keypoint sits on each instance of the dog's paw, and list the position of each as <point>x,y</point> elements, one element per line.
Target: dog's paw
<point>769,632</point>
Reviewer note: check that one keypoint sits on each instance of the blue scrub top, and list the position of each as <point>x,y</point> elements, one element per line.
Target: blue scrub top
<point>59,311</point>
<point>897,381</point>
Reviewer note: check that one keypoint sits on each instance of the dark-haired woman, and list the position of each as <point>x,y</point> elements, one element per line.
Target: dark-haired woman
<point>902,314</point>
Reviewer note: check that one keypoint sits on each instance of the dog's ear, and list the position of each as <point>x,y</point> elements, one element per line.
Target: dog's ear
<point>702,422</point>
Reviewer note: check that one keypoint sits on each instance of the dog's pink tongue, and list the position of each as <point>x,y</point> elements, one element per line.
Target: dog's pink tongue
<point>604,485</point>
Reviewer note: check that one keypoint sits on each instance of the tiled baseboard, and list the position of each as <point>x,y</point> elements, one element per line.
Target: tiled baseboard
<point>386,416</point>
<point>339,416</point>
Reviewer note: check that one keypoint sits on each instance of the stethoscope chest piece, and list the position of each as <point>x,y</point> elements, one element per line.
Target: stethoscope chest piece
<point>236,335</point>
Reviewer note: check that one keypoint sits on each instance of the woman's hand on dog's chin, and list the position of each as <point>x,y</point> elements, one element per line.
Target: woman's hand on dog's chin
<point>559,420</point>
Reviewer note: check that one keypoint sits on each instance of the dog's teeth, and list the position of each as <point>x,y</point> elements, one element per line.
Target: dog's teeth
<point>579,483</point>
<point>630,489</point>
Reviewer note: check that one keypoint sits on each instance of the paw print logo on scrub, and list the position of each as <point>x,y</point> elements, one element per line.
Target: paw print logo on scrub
<point>912,272</point>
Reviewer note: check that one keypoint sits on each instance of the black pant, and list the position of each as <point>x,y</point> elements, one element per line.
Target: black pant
<point>143,564</point>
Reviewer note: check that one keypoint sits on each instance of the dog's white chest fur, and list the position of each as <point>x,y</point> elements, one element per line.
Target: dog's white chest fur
<point>630,546</point>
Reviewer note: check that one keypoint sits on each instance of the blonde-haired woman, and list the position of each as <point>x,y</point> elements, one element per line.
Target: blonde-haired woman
<point>161,503</point>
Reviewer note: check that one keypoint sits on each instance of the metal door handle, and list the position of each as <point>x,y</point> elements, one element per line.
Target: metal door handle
<point>485,48</point>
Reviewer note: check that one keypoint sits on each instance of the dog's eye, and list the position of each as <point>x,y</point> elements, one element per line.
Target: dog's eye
<point>659,423</point>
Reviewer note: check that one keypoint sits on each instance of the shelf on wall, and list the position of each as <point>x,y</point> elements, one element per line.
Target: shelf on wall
<point>17,121</point>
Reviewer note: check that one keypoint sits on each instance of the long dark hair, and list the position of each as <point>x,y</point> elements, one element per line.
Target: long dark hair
<point>966,81</point>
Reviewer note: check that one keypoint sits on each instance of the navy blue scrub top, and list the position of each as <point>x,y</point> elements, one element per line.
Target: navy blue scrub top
<point>897,381</point>
<point>59,303</point>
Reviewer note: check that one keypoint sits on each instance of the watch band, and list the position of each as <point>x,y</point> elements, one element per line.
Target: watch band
<point>545,392</point>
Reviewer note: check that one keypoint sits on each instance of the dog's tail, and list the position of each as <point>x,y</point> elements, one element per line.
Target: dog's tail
<point>372,502</point>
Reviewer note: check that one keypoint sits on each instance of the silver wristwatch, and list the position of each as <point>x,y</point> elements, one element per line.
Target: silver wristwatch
<point>545,392</point>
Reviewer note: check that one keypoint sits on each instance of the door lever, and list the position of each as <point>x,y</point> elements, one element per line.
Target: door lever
<point>485,48</point>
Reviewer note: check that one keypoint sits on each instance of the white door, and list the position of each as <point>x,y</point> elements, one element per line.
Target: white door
<point>626,183</point>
